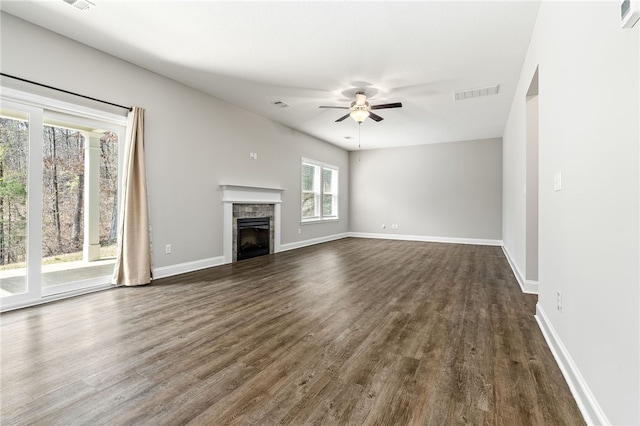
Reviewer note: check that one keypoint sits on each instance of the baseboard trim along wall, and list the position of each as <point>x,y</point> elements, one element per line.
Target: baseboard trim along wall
<point>427,239</point>
<point>589,407</point>
<point>183,268</point>
<point>527,286</point>
<point>313,241</point>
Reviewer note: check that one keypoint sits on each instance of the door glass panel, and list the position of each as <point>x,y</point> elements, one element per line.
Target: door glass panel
<point>14,145</point>
<point>79,211</point>
<point>62,202</point>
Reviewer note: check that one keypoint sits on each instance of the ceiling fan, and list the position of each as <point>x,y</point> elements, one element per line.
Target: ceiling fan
<point>360,109</point>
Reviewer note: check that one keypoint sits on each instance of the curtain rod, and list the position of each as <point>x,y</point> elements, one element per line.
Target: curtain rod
<point>65,91</point>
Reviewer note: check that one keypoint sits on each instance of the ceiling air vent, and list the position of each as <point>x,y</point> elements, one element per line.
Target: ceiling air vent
<point>629,12</point>
<point>280,104</point>
<point>80,4</point>
<point>475,93</point>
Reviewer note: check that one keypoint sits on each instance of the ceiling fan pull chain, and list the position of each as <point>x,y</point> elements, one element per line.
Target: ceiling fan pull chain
<point>359,124</point>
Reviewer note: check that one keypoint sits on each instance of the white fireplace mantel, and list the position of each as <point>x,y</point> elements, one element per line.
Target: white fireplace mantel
<point>241,194</point>
<point>251,194</point>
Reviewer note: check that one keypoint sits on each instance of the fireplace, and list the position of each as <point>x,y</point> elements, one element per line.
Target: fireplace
<point>254,237</point>
<point>246,215</point>
<point>249,202</point>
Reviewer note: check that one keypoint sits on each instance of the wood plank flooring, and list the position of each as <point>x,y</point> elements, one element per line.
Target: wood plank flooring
<point>356,331</point>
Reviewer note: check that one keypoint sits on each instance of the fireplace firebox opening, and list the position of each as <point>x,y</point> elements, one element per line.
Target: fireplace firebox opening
<point>254,236</point>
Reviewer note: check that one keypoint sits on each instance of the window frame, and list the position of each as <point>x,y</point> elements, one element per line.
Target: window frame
<point>318,191</point>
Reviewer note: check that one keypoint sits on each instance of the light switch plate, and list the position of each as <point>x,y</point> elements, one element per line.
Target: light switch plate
<point>557,181</point>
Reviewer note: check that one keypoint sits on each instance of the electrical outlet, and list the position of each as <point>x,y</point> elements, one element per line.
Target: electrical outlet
<point>559,300</point>
<point>167,249</point>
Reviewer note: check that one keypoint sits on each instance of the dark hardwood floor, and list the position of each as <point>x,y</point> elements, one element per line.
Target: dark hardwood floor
<point>356,331</point>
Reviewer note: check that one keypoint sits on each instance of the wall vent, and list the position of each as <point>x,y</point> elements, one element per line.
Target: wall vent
<point>476,93</point>
<point>280,104</point>
<point>629,12</point>
<point>80,4</point>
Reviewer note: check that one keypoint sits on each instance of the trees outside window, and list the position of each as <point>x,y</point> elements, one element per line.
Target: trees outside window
<point>63,191</point>
<point>14,138</point>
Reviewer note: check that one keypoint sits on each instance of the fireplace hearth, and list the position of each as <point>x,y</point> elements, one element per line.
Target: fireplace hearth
<point>254,235</point>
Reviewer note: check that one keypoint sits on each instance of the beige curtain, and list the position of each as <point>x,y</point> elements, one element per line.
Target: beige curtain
<point>133,262</point>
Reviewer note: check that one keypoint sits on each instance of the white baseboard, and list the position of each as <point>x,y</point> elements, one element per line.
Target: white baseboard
<point>183,268</point>
<point>589,407</point>
<point>527,286</point>
<point>305,243</point>
<point>427,239</point>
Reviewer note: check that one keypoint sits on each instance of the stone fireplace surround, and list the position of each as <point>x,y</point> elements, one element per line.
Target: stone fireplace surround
<point>249,201</point>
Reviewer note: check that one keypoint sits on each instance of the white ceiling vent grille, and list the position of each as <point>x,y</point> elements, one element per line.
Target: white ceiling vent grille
<point>476,93</point>
<point>80,4</point>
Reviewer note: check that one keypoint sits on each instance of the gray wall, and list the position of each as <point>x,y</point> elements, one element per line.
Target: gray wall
<point>589,245</point>
<point>194,142</point>
<point>451,190</point>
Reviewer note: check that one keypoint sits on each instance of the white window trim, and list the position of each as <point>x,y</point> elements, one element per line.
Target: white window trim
<point>320,218</point>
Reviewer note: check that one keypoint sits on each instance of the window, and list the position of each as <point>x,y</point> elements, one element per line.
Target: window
<point>319,191</point>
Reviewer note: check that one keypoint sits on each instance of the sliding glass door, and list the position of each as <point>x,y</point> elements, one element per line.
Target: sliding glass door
<point>58,201</point>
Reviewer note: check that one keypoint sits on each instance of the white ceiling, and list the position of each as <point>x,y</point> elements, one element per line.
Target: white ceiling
<point>309,54</point>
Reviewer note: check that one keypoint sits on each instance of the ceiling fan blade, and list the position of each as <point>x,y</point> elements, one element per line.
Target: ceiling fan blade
<point>375,117</point>
<point>384,106</point>
<point>342,118</point>
<point>336,107</point>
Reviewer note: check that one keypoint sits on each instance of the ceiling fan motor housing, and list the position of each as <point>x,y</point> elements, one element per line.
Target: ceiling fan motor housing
<point>361,98</point>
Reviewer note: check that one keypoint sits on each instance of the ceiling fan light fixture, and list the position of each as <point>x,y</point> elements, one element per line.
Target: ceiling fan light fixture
<point>360,109</point>
<point>359,115</point>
